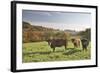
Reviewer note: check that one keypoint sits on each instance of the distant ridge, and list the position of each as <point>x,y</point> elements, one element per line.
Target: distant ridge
<point>73,32</point>
<point>28,26</point>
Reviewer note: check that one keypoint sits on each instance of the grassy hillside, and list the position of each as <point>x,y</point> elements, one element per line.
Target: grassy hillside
<point>33,33</point>
<point>28,26</point>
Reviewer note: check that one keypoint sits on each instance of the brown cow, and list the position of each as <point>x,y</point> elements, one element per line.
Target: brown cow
<point>57,43</point>
<point>76,42</point>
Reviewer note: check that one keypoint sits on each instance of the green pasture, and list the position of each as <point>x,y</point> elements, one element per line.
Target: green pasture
<point>41,52</point>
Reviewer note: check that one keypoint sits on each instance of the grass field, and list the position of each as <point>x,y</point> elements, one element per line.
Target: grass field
<point>41,52</point>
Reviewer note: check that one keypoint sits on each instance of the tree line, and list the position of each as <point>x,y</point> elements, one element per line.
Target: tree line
<point>33,33</point>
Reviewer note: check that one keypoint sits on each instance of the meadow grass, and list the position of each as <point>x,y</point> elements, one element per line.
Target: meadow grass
<point>41,52</point>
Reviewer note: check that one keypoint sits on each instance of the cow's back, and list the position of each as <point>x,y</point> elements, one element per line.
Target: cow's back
<point>58,42</point>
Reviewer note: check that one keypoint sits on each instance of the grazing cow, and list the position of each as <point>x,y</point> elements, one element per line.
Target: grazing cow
<point>76,42</point>
<point>57,43</point>
<point>85,43</point>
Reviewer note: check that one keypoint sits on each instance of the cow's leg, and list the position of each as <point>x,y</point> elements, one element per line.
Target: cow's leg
<point>75,45</point>
<point>54,49</point>
<point>65,47</point>
<point>86,48</point>
<point>79,44</point>
<point>83,48</point>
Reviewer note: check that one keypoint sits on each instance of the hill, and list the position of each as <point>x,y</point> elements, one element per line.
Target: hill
<point>72,32</point>
<point>28,26</point>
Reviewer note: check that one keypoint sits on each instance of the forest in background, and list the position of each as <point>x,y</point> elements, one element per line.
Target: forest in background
<point>33,33</point>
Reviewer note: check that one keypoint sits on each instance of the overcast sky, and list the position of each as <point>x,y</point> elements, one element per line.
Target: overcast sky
<point>58,20</point>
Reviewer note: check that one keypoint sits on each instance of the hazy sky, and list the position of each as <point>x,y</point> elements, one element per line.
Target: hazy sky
<point>58,20</point>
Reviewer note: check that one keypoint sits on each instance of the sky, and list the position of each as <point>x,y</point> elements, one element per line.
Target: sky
<point>58,20</point>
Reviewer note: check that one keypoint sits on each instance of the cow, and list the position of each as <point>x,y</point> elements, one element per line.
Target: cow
<point>76,42</point>
<point>85,43</point>
<point>57,43</point>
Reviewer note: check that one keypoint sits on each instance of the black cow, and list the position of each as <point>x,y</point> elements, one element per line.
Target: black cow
<point>85,43</point>
<point>57,43</point>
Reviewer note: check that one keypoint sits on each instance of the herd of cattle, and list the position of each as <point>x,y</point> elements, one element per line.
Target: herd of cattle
<point>62,42</point>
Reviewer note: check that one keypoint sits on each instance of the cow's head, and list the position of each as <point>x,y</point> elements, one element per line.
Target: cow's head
<point>49,41</point>
<point>73,39</point>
